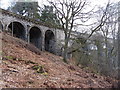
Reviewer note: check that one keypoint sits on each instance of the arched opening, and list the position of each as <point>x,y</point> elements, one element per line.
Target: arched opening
<point>1,26</point>
<point>49,41</point>
<point>35,37</point>
<point>17,29</point>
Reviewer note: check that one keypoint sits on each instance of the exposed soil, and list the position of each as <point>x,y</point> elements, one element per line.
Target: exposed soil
<point>24,66</point>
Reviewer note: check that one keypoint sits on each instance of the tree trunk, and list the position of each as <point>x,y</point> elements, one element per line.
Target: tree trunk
<point>65,50</point>
<point>119,45</point>
<point>65,55</point>
<point>119,57</point>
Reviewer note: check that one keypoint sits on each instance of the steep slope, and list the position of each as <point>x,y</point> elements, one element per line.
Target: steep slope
<point>25,66</point>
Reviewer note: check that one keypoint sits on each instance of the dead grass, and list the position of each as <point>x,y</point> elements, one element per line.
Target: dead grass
<point>21,57</point>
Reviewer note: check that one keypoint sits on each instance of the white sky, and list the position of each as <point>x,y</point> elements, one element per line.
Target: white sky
<point>5,3</point>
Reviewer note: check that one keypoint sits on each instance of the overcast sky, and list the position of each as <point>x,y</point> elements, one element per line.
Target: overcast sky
<point>5,3</point>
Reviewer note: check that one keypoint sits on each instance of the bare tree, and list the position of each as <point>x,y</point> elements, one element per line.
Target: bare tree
<point>95,27</point>
<point>68,12</point>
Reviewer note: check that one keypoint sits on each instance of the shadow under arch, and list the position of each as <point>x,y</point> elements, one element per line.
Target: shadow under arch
<point>50,41</point>
<point>36,37</point>
<point>1,26</point>
<point>18,29</point>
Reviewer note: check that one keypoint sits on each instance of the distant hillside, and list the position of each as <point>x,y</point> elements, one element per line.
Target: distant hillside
<point>25,66</point>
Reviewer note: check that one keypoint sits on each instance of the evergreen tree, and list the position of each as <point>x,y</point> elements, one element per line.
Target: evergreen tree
<point>30,9</point>
<point>49,16</point>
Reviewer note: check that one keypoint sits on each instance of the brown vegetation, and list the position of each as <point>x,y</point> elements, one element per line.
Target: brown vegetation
<point>24,67</point>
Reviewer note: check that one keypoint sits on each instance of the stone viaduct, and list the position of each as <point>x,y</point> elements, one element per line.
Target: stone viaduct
<point>32,31</point>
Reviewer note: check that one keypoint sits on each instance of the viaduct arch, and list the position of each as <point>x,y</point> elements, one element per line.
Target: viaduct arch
<point>1,25</point>
<point>49,41</point>
<point>17,29</point>
<point>43,37</point>
<point>35,37</point>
